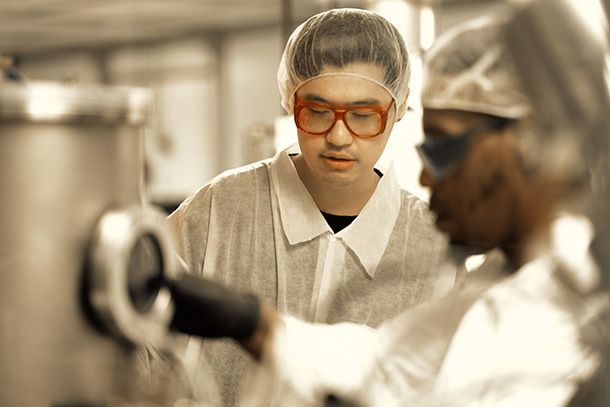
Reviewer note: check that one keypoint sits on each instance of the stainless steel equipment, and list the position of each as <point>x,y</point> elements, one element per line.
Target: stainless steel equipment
<point>82,311</point>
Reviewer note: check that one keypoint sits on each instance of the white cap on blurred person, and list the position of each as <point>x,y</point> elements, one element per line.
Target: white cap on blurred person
<point>475,75</point>
<point>346,42</point>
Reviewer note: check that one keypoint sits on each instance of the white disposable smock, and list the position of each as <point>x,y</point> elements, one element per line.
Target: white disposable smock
<point>494,341</point>
<point>257,229</point>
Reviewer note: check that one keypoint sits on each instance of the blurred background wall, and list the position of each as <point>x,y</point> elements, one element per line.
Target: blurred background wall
<point>212,65</point>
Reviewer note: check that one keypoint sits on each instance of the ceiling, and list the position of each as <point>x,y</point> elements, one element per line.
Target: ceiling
<point>34,26</point>
<point>40,26</point>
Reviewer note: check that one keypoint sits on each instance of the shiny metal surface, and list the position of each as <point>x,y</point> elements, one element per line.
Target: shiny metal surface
<point>52,102</point>
<point>130,257</point>
<point>57,177</point>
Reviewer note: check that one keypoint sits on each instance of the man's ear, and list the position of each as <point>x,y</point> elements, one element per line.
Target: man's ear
<point>401,108</point>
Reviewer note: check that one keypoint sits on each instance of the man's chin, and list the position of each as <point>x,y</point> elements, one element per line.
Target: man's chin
<point>471,246</point>
<point>469,249</point>
<point>459,240</point>
<point>447,227</point>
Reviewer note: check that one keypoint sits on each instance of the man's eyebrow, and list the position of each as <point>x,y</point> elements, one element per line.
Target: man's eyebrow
<point>365,102</point>
<point>315,98</point>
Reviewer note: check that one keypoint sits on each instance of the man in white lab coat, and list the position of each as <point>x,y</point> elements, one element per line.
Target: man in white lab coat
<point>531,338</point>
<point>318,232</point>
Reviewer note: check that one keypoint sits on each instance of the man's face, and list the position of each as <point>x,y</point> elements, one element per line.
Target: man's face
<point>476,202</point>
<point>338,158</point>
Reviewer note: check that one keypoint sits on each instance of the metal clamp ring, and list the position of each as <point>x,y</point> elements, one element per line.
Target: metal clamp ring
<point>122,238</point>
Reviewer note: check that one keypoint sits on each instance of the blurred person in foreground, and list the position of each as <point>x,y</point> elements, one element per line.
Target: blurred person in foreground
<point>319,231</point>
<point>534,337</point>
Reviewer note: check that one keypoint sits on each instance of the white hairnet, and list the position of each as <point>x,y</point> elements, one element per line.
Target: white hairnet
<point>467,69</point>
<point>329,42</point>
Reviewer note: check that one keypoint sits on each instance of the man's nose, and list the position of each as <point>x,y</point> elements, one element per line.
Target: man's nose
<point>425,179</point>
<point>339,135</point>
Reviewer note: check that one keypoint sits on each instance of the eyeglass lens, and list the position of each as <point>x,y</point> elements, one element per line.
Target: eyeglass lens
<point>361,122</point>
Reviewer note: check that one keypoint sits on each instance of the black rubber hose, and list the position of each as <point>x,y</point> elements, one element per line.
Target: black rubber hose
<point>207,309</point>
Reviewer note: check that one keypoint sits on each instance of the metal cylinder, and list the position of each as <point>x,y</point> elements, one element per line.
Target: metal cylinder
<point>67,154</point>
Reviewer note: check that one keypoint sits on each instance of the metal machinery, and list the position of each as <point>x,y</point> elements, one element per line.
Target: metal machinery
<point>83,311</point>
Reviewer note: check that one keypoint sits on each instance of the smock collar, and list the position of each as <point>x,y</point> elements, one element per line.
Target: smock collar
<point>367,236</point>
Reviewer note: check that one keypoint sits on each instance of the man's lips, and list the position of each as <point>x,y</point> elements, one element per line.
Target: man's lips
<point>340,157</point>
<point>338,161</point>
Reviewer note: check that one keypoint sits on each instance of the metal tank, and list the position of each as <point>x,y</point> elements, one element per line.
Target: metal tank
<point>83,312</point>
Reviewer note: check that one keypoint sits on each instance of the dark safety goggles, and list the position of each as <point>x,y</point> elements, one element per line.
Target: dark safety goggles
<point>441,157</point>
